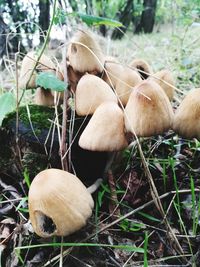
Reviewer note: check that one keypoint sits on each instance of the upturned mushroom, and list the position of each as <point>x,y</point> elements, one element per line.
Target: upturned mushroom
<point>166,81</point>
<point>84,53</point>
<point>105,130</point>
<point>187,116</point>
<point>122,79</point>
<point>148,111</point>
<point>91,91</point>
<point>59,203</point>
<point>142,67</point>
<point>45,64</point>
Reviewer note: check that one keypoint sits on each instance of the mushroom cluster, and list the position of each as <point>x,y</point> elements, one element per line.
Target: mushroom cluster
<point>122,101</point>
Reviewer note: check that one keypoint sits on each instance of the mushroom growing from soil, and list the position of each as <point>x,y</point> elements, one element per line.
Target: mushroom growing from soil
<point>59,203</point>
<point>164,78</point>
<point>28,63</point>
<point>187,116</point>
<point>105,130</point>
<point>148,111</point>
<point>142,67</point>
<point>122,79</point>
<point>84,53</point>
<point>91,91</point>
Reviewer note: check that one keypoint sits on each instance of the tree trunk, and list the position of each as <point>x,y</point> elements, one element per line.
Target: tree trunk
<point>44,17</point>
<point>148,17</point>
<point>125,17</point>
<point>3,31</point>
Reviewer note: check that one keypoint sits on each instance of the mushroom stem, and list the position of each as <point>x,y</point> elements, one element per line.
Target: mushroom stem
<point>91,189</point>
<point>108,173</point>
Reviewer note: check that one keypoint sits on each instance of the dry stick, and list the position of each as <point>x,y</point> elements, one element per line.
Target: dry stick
<point>63,147</point>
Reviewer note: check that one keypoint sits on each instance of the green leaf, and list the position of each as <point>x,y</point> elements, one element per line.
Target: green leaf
<point>148,216</point>
<point>95,20</point>
<point>7,104</point>
<point>49,80</point>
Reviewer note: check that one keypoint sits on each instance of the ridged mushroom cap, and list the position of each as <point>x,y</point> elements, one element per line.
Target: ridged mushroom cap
<point>92,91</point>
<point>187,116</point>
<point>122,79</point>
<point>59,203</point>
<point>105,130</point>
<point>83,59</point>
<point>141,65</point>
<point>166,76</point>
<point>148,111</point>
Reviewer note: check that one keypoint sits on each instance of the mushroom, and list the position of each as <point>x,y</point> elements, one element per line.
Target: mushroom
<point>148,111</point>
<point>122,79</point>
<point>105,130</point>
<point>187,116</point>
<point>44,97</point>
<point>28,63</point>
<point>91,91</point>
<point>59,203</point>
<point>165,79</point>
<point>84,53</point>
<point>142,67</point>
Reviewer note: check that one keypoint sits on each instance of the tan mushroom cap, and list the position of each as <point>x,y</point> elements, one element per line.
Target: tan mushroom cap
<point>187,116</point>
<point>166,76</point>
<point>105,130</point>
<point>80,57</point>
<point>61,197</point>
<point>122,78</point>
<point>92,91</point>
<point>28,63</point>
<point>148,111</point>
<point>143,65</point>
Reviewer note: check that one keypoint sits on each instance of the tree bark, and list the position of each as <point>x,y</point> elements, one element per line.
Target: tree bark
<point>125,17</point>
<point>44,17</point>
<point>148,17</point>
<point>3,32</point>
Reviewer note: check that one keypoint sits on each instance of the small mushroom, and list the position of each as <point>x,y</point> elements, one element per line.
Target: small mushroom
<point>187,116</point>
<point>59,203</point>
<point>166,81</point>
<point>148,111</point>
<point>105,130</point>
<point>28,63</point>
<point>142,67</point>
<point>122,79</point>
<point>84,53</point>
<point>44,97</point>
<point>91,91</point>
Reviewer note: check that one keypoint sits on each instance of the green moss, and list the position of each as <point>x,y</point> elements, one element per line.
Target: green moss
<point>40,116</point>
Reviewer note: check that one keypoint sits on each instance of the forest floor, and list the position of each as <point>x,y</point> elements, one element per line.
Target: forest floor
<point>136,232</point>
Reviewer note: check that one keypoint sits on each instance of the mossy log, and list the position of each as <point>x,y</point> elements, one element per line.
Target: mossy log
<point>34,146</point>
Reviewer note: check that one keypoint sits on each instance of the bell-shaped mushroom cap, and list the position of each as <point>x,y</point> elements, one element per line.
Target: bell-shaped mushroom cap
<point>187,116</point>
<point>59,203</point>
<point>141,65</point>
<point>123,79</point>
<point>83,59</point>
<point>91,91</point>
<point>148,111</point>
<point>28,63</point>
<point>44,97</point>
<point>105,130</point>
<point>165,76</point>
